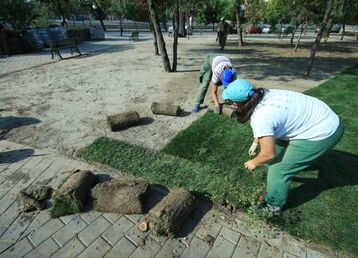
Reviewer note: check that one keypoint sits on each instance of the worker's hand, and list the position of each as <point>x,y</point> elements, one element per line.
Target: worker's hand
<point>253,147</point>
<point>250,165</point>
<point>217,109</point>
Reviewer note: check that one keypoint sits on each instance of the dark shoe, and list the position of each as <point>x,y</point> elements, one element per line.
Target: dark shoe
<point>196,108</point>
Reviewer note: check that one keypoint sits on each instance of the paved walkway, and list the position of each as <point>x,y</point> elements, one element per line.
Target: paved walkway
<point>208,233</point>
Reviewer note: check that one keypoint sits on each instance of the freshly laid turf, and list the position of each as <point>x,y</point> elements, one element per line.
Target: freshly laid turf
<point>169,170</point>
<point>208,158</point>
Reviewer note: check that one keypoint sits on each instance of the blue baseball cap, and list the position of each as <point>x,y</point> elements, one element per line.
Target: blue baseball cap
<point>239,90</point>
<point>227,76</point>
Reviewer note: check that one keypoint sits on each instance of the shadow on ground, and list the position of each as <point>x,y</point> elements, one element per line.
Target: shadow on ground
<point>263,60</point>
<point>335,169</point>
<point>15,155</point>
<point>8,123</point>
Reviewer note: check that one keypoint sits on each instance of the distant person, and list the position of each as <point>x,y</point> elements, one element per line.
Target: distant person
<point>3,42</point>
<point>223,30</point>
<point>215,71</point>
<point>292,129</point>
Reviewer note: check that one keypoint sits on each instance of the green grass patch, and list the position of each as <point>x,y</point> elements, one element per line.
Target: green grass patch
<point>173,171</point>
<point>208,158</point>
<point>63,206</point>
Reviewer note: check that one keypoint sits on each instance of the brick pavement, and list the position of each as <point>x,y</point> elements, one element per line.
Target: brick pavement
<point>208,233</point>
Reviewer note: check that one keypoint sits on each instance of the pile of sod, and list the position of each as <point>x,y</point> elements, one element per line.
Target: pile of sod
<point>208,158</point>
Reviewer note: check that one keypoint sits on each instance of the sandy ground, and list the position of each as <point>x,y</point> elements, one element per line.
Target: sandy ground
<point>63,105</point>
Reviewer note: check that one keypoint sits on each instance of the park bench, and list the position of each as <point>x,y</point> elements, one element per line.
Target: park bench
<point>57,45</point>
<point>134,36</point>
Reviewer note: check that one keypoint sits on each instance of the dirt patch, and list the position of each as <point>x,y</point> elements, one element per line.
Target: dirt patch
<point>72,98</point>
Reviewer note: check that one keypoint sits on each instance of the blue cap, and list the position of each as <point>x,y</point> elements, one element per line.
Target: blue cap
<point>239,90</point>
<point>227,76</point>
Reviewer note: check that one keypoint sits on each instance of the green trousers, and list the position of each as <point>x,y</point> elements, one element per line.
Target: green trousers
<point>204,79</point>
<point>291,158</point>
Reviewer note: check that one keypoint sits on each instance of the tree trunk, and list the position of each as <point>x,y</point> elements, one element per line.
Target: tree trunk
<point>328,29</point>
<point>182,24</point>
<point>121,25</point>
<point>343,30</point>
<point>102,24</point>
<point>176,31</point>
<point>155,41</point>
<point>293,33</point>
<point>299,37</point>
<point>315,45</point>
<point>163,50</point>
<point>238,22</point>
<point>344,19</point>
<point>60,9</point>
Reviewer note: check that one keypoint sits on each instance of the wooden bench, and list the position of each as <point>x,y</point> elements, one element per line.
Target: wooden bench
<point>57,45</point>
<point>134,36</point>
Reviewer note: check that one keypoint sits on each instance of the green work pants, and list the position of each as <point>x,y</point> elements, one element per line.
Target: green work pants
<point>204,79</point>
<point>291,158</point>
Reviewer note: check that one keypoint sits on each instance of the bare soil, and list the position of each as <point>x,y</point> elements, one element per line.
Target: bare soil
<point>63,105</point>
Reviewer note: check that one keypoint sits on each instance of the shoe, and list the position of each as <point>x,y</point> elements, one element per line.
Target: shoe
<point>196,108</point>
<point>266,209</point>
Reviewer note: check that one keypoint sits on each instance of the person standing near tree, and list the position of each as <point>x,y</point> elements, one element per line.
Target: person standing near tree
<point>223,30</point>
<point>215,71</point>
<point>293,130</point>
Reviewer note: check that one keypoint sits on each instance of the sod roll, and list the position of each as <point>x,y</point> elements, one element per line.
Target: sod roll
<point>165,109</point>
<point>169,214</point>
<point>72,195</point>
<point>228,112</point>
<point>123,196</point>
<point>122,120</point>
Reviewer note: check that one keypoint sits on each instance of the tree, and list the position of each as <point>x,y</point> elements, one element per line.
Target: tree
<point>43,15</point>
<point>99,9</point>
<point>18,13</point>
<point>211,11</point>
<point>60,7</point>
<point>238,22</point>
<point>122,9</point>
<point>155,22</point>
<point>326,18</point>
<point>255,10</point>
<point>176,32</point>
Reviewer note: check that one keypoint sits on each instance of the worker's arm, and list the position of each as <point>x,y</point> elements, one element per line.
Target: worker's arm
<point>214,95</point>
<point>267,153</point>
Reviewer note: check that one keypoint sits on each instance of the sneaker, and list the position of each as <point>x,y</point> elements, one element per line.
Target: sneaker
<point>196,108</point>
<point>266,208</point>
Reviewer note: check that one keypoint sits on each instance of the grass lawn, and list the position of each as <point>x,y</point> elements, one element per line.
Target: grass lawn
<point>208,158</point>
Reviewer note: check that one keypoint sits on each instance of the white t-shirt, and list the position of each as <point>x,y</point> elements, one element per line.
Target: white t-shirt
<point>218,65</point>
<point>290,115</point>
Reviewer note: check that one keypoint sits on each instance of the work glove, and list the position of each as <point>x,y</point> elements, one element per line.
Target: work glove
<point>217,110</point>
<point>253,147</point>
